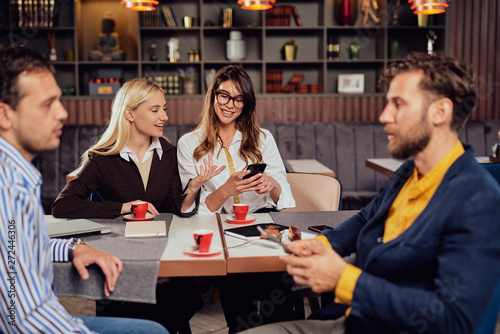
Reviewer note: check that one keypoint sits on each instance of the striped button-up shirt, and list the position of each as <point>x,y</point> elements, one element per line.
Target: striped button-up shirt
<point>28,302</point>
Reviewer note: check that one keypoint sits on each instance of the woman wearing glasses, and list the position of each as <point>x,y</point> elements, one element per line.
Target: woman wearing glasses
<point>229,132</point>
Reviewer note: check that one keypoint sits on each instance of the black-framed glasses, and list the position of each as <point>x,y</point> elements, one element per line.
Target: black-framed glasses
<point>223,98</point>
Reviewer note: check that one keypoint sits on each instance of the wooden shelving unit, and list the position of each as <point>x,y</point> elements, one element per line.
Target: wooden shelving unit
<point>77,24</point>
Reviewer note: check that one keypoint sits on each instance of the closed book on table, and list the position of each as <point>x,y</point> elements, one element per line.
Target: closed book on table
<point>155,228</point>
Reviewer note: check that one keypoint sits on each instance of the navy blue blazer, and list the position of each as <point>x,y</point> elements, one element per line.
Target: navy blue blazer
<point>440,274</point>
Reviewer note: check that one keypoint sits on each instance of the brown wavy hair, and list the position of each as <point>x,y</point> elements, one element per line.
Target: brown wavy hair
<point>246,123</point>
<point>443,77</point>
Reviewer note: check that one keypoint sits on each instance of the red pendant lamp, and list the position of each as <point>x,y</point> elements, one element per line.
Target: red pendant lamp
<point>428,7</point>
<point>256,4</point>
<point>140,5</point>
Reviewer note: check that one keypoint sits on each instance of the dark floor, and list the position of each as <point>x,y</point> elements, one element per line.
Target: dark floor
<point>209,319</point>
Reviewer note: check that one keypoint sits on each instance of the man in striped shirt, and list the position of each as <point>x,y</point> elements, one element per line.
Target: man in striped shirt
<point>31,120</point>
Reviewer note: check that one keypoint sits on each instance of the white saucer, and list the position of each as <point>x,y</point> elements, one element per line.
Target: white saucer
<point>131,217</point>
<point>193,251</point>
<point>233,220</point>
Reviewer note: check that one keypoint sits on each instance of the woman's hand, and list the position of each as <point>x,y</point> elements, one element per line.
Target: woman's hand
<point>206,174</point>
<point>266,184</point>
<point>235,185</point>
<point>127,207</point>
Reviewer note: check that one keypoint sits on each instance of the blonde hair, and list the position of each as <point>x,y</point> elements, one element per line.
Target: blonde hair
<point>246,123</point>
<point>130,96</point>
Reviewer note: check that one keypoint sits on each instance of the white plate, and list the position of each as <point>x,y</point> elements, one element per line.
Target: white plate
<point>131,217</point>
<point>193,251</point>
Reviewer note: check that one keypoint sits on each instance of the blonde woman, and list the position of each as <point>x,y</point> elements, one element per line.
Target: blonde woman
<point>230,133</point>
<point>132,161</point>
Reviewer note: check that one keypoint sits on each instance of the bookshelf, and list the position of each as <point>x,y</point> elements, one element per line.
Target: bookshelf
<point>77,23</point>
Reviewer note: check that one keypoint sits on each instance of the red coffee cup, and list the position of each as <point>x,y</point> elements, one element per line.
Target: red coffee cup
<point>139,209</point>
<point>203,239</point>
<point>240,211</point>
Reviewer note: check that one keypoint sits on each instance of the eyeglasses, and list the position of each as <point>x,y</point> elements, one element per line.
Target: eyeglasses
<point>223,98</point>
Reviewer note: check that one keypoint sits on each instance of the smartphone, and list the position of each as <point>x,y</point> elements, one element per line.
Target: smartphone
<point>255,169</point>
<point>319,228</point>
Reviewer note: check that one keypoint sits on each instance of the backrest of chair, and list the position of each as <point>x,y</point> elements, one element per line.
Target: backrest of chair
<point>314,192</point>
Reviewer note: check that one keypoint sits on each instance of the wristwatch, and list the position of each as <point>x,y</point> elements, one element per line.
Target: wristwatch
<point>73,242</point>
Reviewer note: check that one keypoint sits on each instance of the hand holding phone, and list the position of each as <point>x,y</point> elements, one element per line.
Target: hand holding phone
<point>255,169</point>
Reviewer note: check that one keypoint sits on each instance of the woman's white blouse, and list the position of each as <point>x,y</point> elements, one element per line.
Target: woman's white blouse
<point>189,169</point>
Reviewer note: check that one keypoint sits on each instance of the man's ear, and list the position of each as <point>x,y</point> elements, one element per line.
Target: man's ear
<point>129,115</point>
<point>441,111</point>
<point>5,116</point>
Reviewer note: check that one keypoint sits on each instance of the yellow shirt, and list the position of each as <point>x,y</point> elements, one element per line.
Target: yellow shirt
<point>408,205</point>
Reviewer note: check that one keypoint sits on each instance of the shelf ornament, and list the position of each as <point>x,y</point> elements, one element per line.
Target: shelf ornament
<point>367,10</point>
<point>188,76</point>
<point>428,7</point>
<point>256,4</point>
<point>140,5</point>
<point>290,50</point>
<point>52,42</point>
<point>431,39</point>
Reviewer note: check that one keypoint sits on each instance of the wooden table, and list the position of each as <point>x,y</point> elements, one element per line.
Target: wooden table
<point>174,262</point>
<point>388,166</point>
<point>308,166</point>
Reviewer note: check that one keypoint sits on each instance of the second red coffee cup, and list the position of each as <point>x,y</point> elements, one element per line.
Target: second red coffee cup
<point>240,211</point>
<point>203,239</point>
<point>139,209</point>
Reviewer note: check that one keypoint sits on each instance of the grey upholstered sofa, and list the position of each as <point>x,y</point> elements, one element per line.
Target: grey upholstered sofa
<point>343,147</point>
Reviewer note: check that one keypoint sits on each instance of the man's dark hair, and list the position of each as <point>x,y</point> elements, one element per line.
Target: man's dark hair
<point>14,61</point>
<point>443,77</point>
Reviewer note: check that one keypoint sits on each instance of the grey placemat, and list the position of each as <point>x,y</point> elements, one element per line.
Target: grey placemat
<point>141,262</point>
<point>303,220</point>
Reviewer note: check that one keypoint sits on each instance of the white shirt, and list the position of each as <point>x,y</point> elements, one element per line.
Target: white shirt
<point>189,168</point>
<point>126,154</point>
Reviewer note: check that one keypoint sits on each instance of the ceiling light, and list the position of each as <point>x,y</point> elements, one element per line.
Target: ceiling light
<point>140,5</point>
<point>428,7</point>
<point>256,4</point>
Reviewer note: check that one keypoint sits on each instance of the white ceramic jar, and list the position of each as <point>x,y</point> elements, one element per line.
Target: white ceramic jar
<point>235,46</point>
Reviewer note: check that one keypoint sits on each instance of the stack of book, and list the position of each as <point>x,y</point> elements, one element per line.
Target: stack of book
<point>274,80</point>
<point>310,89</point>
<point>169,83</point>
<point>163,16</point>
<point>280,15</point>
<point>293,83</point>
<point>33,13</point>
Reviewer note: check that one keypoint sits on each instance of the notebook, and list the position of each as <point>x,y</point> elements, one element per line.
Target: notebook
<point>63,227</point>
<point>153,228</point>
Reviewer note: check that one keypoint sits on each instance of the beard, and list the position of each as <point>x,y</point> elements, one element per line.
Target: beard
<point>412,142</point>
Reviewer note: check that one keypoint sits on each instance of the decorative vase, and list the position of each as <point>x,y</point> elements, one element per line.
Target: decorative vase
<point>188,87</point>
<point>394,49</point>
<point>235,46</point>
<point>354,48</point>
<point>346,11</point>
<point>422,20</point>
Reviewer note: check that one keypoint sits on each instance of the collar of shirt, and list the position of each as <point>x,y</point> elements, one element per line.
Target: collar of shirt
<point>235,143</point>
<point>126,153</point>
<point>28,173</point>
<point>436,174</point>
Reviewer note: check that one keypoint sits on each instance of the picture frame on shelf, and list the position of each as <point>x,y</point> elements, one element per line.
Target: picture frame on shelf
<point>351,83</point>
